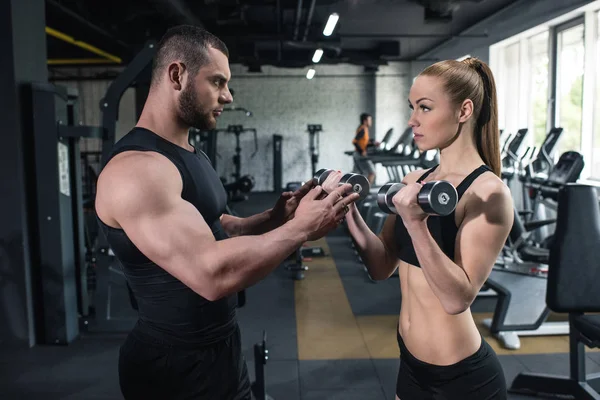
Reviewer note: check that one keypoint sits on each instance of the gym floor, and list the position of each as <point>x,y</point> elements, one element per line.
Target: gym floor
<point>330,336</point>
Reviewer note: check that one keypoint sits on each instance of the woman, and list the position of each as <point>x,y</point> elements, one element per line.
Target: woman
<point>444,261</point>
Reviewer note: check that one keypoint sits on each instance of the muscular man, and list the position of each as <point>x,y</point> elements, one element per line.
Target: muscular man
<point>161,206</point>
<point>361,141</point>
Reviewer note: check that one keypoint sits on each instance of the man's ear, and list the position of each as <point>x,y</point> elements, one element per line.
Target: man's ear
<point>177,74</point>
<point>466,111</point>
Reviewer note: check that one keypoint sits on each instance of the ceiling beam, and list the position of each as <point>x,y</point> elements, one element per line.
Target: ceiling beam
<point>479,24</point>
<point>182,11</point>
<point>85,22</point>
<point>408,35</point>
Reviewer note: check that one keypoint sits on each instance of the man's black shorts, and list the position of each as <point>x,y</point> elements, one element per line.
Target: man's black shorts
<point>149,369</point>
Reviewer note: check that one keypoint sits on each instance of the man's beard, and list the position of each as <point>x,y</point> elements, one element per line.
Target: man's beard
<point>191,111</point>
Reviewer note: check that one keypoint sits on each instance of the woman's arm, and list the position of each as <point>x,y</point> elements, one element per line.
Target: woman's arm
<point>254,225</point>
<point>377,252</point>
<point>487,221</point>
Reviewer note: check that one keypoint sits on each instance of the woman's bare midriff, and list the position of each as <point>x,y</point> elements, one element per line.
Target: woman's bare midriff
<point>430,334</point>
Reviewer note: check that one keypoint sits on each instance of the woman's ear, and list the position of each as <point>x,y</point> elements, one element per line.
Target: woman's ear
<point>466,111</point>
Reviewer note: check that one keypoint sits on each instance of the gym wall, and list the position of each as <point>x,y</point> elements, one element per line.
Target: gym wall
<point>284,102</point>
<point>392,86</point>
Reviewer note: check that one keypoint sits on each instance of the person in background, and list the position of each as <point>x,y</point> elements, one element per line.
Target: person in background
<point>361,141</point>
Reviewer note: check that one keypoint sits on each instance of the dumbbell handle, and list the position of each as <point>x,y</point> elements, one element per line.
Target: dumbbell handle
<point>435,198</point>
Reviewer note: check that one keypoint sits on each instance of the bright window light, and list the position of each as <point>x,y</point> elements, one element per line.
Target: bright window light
<point>317,56</point>
<point>310,74</point>
<point>331,23</point>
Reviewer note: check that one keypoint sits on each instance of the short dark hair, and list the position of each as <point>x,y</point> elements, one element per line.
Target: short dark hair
<point>186,43</point>
<point>363,117</point>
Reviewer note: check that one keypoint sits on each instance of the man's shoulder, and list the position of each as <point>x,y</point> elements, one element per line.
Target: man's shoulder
<point>133,166</point>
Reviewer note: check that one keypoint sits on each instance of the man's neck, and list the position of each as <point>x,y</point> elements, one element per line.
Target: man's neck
<point>161,120</point>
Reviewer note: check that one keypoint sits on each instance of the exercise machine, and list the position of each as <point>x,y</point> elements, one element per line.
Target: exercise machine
<point>401,158</point>
<point>511,156</point>
<point>241,184</point>
<point>57,212</point>
<point>523,248</point>
<point>313,146</point>
<point>535,171</point>
<point>277,163</point>
<point>521,285</point>
<point>261,356</point>
<point>572,288</point>
<point>237,130</point>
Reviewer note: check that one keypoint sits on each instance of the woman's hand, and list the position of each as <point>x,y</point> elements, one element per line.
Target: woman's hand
<point>407,206</point>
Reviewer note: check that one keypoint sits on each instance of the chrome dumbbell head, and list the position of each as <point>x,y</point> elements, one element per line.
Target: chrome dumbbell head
<point>359,183</point>
<point>435,198</point>
<point>438,198</point>
<point>321,175</point>
<point>385,195</point>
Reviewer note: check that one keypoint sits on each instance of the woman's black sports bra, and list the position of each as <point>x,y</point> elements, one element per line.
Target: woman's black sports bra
<point>442,228</point>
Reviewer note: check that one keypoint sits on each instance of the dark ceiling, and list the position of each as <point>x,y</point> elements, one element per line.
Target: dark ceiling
<point>263,32</point>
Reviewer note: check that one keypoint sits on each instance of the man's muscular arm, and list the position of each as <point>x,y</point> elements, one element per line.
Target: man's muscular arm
<point>141,193</point>
<point>270,219</point>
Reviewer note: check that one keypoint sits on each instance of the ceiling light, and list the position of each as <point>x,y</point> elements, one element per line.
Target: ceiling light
<point>310,74</point>
<point>317,56</point>
<point>330,26</point>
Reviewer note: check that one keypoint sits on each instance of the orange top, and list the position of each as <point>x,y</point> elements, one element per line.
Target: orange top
<point>361,139</point>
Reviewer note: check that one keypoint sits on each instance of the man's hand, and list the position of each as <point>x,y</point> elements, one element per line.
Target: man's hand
<point>331,182</point>
<point>319,216</point>
<point>287,204</point>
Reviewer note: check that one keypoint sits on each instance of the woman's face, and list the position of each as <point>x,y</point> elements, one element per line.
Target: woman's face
<point>434,119</point>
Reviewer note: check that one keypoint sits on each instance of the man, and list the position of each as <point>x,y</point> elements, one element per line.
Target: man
<point>361,141</point>
<point>161,206</point>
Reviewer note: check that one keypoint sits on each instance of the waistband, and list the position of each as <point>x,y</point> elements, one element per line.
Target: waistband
<point>152,335</point>
<point>414,362</point>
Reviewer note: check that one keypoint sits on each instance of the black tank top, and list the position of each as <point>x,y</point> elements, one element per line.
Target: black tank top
<point>442,228</point>
<point>167,309</point>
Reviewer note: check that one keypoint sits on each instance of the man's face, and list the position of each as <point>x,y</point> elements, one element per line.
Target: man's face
<point>203,98</point>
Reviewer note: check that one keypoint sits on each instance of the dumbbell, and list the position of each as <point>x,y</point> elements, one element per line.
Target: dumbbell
<point>435,198</point>
<point>359,183</point>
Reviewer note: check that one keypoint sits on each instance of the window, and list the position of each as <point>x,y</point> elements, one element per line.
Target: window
<point>521,72</point>
<point>537,47</point>
<point>509,96</point>
<point>595,167</point>
<point>549,76</point>
<point>569,87</point>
